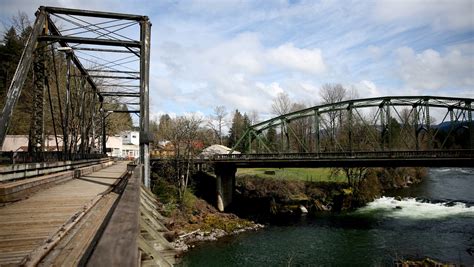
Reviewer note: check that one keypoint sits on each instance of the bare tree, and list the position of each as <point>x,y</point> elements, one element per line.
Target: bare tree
<point>333,93</point>
<point>22,24</point>
<point>281,104</point>
<point>254,118</point>
<point>217,121</point>
<point>183,132</point>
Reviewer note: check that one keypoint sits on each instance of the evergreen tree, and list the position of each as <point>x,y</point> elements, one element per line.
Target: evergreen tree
<point>10,53</point>
<point>240,123</point>
<point>272,139</point>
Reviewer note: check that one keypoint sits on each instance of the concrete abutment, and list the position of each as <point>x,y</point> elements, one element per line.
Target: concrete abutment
<point>225,184</point>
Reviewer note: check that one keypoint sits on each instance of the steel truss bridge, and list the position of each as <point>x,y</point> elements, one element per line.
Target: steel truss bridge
<point>85,65</point>
<point>390,123</point>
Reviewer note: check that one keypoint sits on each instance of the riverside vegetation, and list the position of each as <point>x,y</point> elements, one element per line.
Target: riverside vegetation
<point>191,219</point>
<point>263,193</point>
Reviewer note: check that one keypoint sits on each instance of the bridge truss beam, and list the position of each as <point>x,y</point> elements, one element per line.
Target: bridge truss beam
<point>373,124</point>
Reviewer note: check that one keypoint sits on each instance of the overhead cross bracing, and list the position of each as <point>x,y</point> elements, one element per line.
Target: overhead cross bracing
<point>95,63</point>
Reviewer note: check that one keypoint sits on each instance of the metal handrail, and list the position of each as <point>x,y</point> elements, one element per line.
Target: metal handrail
<point>459,153</point>
<point>11,157</point>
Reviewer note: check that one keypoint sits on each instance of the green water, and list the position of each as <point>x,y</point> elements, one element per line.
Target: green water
<point>441,226</point>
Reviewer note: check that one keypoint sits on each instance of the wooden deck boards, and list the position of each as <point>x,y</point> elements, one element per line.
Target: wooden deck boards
<point>26,224</point>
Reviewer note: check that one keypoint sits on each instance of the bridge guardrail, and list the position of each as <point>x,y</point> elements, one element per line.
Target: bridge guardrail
<point>461,153</point>
<point>11,157</point>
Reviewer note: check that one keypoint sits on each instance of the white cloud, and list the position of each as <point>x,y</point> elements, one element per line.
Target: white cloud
<point>440,14</point>
<point>432,70</point>
<point>272,89</point>
<point>241,54</point>
<point>294,58</point>
<point>367,89</point>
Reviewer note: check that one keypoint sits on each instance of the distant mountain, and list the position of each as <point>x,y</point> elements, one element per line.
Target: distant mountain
<point>446,126</point>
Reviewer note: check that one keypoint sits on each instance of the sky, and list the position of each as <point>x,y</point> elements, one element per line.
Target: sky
<point>242,54</point>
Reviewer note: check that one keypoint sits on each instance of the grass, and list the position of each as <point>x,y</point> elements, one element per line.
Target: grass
<point>295,174</point>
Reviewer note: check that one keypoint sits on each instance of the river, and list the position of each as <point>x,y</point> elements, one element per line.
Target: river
<point>433,219</point>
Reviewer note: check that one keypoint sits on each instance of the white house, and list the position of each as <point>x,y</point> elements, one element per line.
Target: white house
<point>131,138</point>
<point>114,146</point>
<point>130,144</point>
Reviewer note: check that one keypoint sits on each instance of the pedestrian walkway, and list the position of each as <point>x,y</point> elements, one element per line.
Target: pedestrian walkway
<point>30,223</point>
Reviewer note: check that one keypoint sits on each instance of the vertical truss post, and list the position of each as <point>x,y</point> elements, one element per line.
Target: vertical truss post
<point>36,140</point>
<point>317,142</point>
<point>67,105</point>
<point>104,137</point>
<point>389,126</point>
<point>282,130</point>
<point>249,141</point>
<point>287,134</point>
<point>145,28</point>
<point>20,75</point>
<point>83,116</point>
<point>469,123</point>
<point>428,123</point>
<point>416,118</point>
<point>382,124</point>
<point>93,117</point>
<point>349,115</point>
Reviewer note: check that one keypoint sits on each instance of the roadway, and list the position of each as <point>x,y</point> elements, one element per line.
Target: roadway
<point>56,225</point>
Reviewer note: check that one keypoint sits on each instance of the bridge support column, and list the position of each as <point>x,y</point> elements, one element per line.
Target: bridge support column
<point>225,185</point>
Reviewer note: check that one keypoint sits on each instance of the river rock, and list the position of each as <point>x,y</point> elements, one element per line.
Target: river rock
<point>303,209</point>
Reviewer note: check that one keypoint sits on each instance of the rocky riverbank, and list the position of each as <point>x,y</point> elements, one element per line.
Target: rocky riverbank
<point>193,220</point>
<point>260,198</point>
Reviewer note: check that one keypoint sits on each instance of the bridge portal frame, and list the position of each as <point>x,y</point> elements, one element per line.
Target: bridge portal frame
<point>84,34</point>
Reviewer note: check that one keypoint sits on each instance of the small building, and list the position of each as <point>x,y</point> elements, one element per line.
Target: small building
<point>217,149</point>
<point>164,149</point>
<point>131,137</point>
<point>114,146</point>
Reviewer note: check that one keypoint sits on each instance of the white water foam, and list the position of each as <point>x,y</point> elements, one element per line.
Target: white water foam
<point>413,209</point>
<point>442,170</point>
<point>462,170</point>
<point>467,171</point>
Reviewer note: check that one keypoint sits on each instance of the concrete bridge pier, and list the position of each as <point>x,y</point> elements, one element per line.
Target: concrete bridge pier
<point>225,184</point>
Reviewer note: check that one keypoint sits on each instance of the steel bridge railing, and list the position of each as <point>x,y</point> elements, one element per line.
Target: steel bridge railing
<point>407,154</point>
<point>11,157</point>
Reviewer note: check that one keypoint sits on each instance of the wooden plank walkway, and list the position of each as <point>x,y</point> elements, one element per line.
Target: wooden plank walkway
<point>26,225</point>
